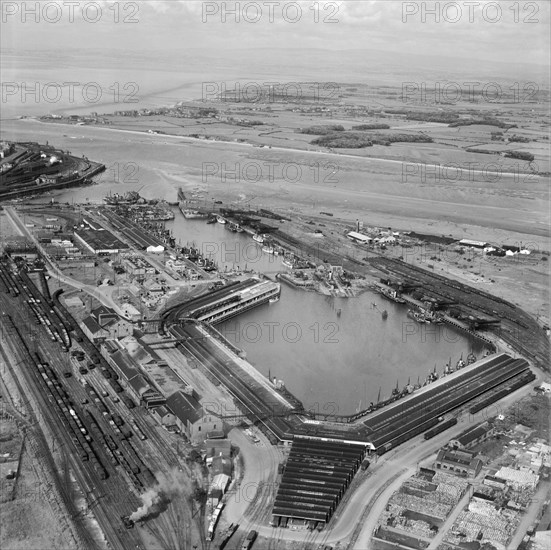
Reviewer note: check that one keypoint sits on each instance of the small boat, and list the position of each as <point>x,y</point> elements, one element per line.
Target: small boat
<point>384,314</point>
<point>274,300</point>
<point>211,220</point>
<point>416,316</point>
<point>258,238</point>
<point>220,219</point>
<point>268,249</point>
<point>239,229</point>
<point>391,294</point>
<point>287,262</point>
<point>471,358</point>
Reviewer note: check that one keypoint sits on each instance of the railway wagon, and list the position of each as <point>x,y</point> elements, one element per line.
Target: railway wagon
<point>439,428</point>
<point>408,435</point>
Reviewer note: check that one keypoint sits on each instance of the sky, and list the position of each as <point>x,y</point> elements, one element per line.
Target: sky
<point>516,32</point>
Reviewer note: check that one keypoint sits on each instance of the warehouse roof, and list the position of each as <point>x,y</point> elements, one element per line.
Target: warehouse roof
<point>315,478</point>
<point>358,237</point>
<point>472,434</point>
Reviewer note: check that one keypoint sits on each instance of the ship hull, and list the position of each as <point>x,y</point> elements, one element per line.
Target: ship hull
<point>193,214</point>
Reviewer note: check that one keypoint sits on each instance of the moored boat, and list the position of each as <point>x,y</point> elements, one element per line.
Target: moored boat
<point>220,219</point>
<point>391,294</point>
<point>190,214</point>
<point>258,238</point>
<point>417,316</point>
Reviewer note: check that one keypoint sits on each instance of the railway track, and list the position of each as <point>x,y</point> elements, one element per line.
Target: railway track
<point>114,495</point>
<point>236,383</point>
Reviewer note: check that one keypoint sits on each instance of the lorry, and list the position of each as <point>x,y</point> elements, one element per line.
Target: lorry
<point>249,541</point>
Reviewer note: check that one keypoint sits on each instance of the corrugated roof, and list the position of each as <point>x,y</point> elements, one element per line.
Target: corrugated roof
<point>316,476</point>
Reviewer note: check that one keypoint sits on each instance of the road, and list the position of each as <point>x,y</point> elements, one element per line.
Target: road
<point>55,272</point>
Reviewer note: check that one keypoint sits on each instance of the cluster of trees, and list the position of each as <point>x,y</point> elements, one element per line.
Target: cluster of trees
<point>371,127</point>
<point>322,130</point>
<point>358,140</point>
<point>485,121</point>
<point>245,123</point>
<point>344,140</point>
<point>521,155</point>
<point>519,139</point>
<point>445,118</point>
<point>382,139</point>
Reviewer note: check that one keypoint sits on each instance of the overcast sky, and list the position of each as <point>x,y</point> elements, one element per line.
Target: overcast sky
<point>507,31</point>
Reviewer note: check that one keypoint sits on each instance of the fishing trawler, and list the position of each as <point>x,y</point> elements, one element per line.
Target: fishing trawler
<point>190,214</point>
<point>391,294</point>
<point>417,316</point>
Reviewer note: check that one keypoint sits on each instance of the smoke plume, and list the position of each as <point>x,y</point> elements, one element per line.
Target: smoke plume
<point>156,499</point>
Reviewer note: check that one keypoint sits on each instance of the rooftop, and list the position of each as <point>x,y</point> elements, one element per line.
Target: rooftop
<point>91,324</point>
<point>472,434</point>
<point>186,407</point>
<point>316,474</point>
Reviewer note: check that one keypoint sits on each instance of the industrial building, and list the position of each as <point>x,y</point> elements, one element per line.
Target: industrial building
<point>237,301</point>
<point>463,463</point>
<point>316,476</point>
<point>472,436</point>
<point>103,323</point>
<point>359,237</point>
<point>131,376</point>
<point>100,241</point>
<point>190,416</point>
